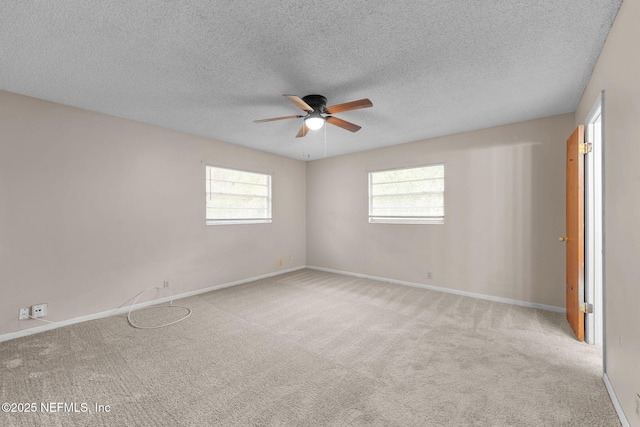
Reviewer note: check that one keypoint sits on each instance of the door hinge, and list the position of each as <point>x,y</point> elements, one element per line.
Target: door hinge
<point>586,308</point>
<point>585,148</point>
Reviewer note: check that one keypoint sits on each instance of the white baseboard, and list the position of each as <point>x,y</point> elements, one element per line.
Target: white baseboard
<point>616,403</point>
<point>125,309</point>
<point>447,290</point>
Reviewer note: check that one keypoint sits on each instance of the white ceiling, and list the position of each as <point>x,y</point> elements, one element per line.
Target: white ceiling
<point>211,67</point>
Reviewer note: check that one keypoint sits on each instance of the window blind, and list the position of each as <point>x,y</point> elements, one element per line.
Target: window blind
<point>235,196</point>
<point>410,195</point>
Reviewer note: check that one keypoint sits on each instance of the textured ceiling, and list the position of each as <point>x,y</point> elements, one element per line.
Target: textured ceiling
<point>211,67</point>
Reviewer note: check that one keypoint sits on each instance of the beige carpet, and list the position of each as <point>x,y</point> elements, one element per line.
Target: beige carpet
<point>310,348</point>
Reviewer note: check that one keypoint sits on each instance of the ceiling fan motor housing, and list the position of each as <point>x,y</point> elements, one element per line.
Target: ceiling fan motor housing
<point>317,102</point>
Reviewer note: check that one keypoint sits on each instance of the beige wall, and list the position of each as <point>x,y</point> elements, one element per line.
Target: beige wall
<point>504,212</point>
<point>95,209</point>
<point>618,74</point>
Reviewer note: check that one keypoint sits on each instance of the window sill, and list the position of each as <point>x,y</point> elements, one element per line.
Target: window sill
<point>236,222</point>
<point>406,221</point>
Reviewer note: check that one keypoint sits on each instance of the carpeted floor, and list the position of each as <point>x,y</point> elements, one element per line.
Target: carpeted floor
<point>310,348</point>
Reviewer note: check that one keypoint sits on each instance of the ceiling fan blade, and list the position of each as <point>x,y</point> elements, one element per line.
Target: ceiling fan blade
<point>276,118</point>
<point>298,102</point>
<point>303,131</point>
<point>343,124</point>
<point>348,106</point>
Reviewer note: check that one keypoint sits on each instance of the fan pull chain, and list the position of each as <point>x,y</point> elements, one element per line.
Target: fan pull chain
<point>304,153</point>
<point>325,140</point>
<point>303,144</point>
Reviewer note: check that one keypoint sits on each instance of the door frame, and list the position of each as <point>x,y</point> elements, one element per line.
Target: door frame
<point>594,225</point>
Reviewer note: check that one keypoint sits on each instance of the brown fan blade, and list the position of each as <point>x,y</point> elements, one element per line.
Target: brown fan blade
<point>348,106</point>
<point>303,131</point>
<point>342,123</point>
<point>299,102</point>
<point>276,118</point>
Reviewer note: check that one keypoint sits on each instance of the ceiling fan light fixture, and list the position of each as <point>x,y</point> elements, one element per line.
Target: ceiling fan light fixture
<point>315,106</point>
<point>314,122</point>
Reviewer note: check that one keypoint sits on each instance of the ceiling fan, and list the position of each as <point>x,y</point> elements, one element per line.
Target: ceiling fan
<point>317,113</point>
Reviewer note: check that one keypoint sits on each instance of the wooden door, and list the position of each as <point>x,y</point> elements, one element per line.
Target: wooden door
<point>575,231</point>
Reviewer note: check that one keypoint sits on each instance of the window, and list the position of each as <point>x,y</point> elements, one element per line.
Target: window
<point>407,196</point>
<point>237,197</point>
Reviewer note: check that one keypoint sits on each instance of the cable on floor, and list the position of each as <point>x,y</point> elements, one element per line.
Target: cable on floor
<point>156,306</point>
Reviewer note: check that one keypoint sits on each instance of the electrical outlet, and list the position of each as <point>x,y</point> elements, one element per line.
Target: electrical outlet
<point>429,275</point>
<point>24,314</point>
<point>165,284</point>
<point>290,260</point>
<point>279,262</point>
<point>39,310</point>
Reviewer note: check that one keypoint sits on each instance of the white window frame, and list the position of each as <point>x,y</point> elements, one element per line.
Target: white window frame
<point>404,219</point>
<point>264,220</point>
